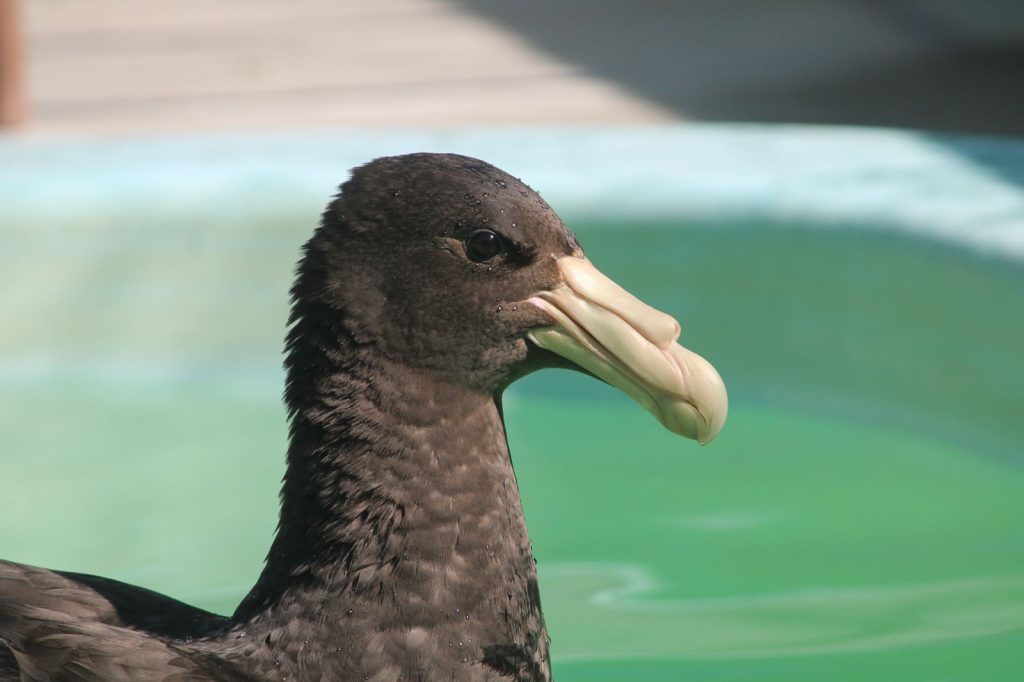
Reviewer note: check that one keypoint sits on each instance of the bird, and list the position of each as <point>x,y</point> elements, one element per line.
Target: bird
<point>432,282</point>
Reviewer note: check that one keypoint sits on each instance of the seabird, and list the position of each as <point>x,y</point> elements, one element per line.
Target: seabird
<point>432,283</point>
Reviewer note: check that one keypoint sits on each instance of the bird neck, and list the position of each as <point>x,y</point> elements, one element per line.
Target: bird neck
<point>401,511</point>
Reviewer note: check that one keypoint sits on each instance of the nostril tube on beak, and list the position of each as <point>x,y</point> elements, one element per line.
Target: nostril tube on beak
<point>587,281</point>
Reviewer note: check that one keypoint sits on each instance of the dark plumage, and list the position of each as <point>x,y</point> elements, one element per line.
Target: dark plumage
<point>402,551</point>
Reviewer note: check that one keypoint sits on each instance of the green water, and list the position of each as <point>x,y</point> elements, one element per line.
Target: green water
<point>860,518</point>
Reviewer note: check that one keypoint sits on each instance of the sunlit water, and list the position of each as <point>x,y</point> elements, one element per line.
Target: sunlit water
<point>860,517</point>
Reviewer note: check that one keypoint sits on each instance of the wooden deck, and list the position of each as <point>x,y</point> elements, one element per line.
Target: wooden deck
<point>124,66</point>
<point>111,65</point>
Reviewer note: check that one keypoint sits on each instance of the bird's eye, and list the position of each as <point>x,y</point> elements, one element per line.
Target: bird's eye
<point>483,245</point>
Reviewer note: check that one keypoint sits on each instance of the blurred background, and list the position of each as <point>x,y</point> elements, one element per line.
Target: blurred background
<point>829,195</point>
<point>118,67</point>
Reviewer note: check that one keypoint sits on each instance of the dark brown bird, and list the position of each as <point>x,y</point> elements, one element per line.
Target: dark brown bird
<point>432,283</point>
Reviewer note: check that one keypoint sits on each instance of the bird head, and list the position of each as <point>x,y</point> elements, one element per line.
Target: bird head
<point>446,264</point>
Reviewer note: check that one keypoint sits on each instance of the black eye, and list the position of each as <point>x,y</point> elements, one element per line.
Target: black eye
<point>483,245</point>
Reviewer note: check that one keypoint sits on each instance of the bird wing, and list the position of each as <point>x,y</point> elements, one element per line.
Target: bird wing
<point>69,626</point>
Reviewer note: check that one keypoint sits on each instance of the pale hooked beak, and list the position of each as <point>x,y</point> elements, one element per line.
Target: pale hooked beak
<point>606,330</point>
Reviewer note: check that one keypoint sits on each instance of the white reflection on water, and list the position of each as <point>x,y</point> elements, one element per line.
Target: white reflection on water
<point>606,611</point>
<point>724,520</point>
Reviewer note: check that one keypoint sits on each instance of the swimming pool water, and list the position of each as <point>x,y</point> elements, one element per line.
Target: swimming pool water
<point>862,512</point>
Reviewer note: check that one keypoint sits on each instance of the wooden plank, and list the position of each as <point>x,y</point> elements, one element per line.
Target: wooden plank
<point>112,65</point>
<point>12,90</point>
<point>162,64</point>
